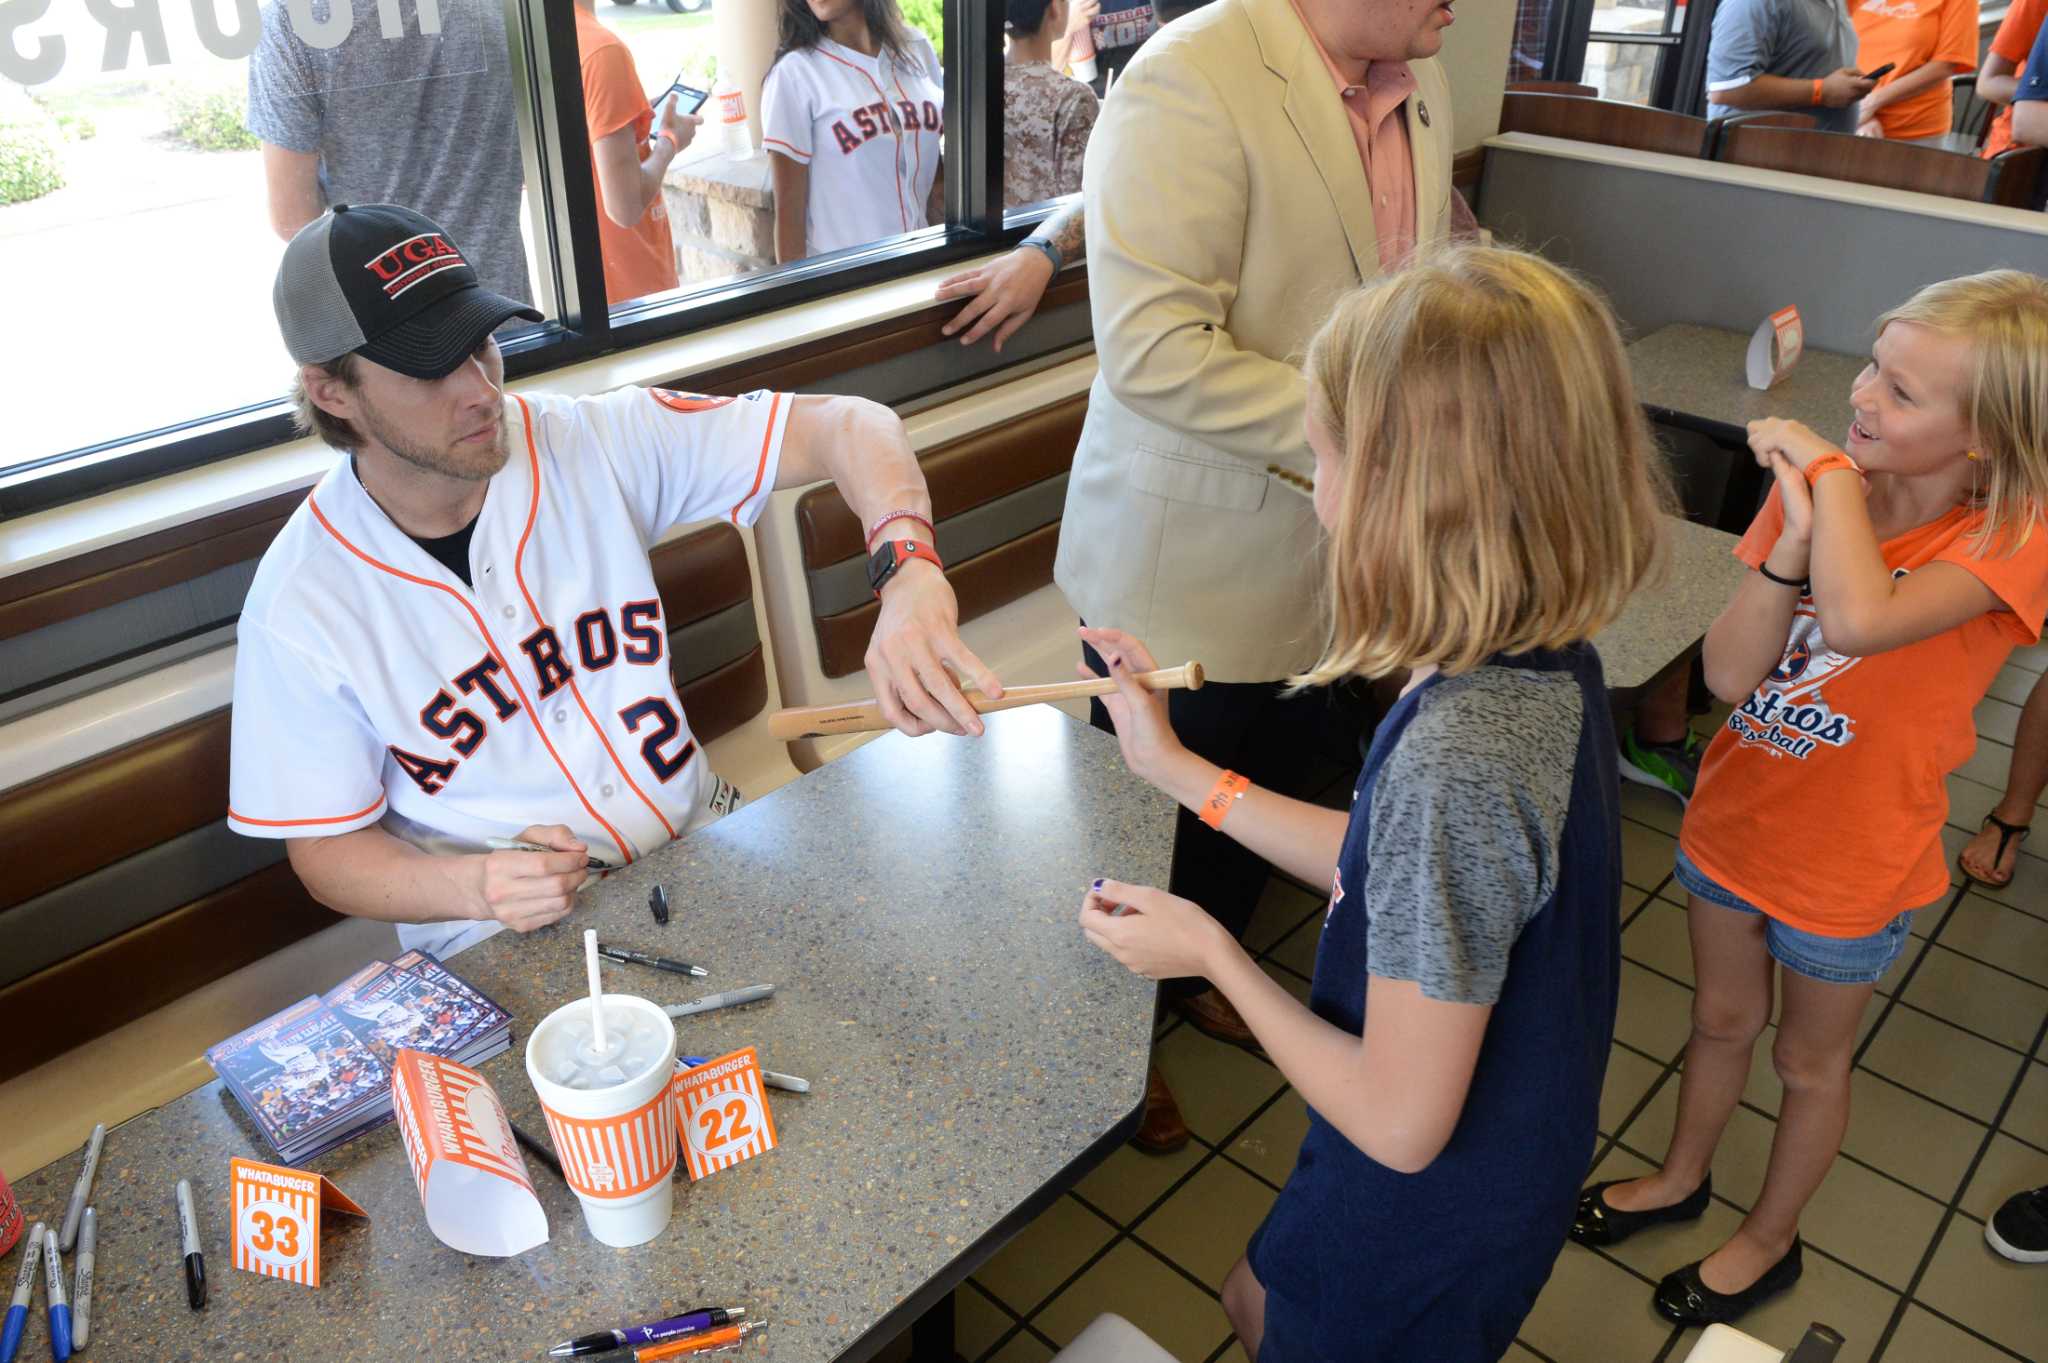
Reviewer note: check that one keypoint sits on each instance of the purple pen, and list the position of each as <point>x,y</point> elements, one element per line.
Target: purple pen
<point>689,1323</point>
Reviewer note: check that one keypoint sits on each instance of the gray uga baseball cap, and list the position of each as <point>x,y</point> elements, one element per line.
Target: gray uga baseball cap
<point>388,284</point>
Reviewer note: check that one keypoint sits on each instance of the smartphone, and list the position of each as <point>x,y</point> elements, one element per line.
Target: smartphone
<point>688,98</point>
<point>1881,72</point>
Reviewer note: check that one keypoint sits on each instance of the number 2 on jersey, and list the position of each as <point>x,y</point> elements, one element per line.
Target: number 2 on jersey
<point>668,726</point>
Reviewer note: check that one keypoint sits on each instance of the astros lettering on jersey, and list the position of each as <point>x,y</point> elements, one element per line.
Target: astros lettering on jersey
<point>372,685</point>
<point>868,128</point>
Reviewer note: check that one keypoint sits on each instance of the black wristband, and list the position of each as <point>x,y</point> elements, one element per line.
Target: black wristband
<point>1802,587</point>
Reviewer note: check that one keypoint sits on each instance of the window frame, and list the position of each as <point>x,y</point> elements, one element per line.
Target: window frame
<point>555,147</point>
<point>1679,81</point>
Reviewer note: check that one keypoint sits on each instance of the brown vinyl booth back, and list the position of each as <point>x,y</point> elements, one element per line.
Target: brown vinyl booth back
<point>1606,121</point>
<point>157,808</point>
<point>2012,179</point>
<point>996,497</point>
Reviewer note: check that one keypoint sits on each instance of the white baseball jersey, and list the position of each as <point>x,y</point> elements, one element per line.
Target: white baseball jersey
<point>869,128</point>
<point>372,685</point>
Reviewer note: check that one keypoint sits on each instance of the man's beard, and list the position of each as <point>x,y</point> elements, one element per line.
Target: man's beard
<point>472,464</point>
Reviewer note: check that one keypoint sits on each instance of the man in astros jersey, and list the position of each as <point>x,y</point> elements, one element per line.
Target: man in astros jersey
<point>457,636</point>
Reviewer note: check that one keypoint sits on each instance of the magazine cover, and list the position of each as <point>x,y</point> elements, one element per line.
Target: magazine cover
<point>242,1063</point>
<point>467,1012</point>
<point>321,1071</point>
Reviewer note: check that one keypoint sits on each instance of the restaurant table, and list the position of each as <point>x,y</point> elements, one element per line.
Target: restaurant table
<point>1670,613</point>
<point>971,1057</point>
<point>1693,377</point>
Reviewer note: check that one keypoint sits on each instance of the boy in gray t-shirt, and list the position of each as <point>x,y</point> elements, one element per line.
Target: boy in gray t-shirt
<point>422,119</point>
<point>1787,43</point>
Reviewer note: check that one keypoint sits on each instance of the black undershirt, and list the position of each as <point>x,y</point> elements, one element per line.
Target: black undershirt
<point>452,551</point>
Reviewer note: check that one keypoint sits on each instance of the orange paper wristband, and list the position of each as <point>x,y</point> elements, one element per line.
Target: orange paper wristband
<point>1816,91</point>
<point>1828,463</point>
<point>1222,798</point>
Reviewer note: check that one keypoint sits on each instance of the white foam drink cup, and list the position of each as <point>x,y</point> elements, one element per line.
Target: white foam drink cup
<point>617,1144</point>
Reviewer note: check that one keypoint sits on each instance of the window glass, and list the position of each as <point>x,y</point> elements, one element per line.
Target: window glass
<point>155,157</point>
<point>1622,71</point>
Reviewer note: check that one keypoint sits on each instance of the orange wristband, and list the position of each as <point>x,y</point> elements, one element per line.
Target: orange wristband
<point>1816,92</point>
<point>1222,798</point>
<point>1828,463</point>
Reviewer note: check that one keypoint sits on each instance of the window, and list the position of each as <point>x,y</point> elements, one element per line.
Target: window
<point>1636,51</point>
<point>154,157</point>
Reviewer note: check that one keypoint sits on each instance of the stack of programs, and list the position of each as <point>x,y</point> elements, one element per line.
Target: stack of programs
<point>319,1073</point>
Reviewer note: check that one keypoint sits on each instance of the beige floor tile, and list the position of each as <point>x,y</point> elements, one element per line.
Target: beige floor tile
<point>1270,1144</point>
<point>1658,939</point>
<point>1997,719</point>
<point>1656,1015</point>
<point>1923,1337</point>
<point>1130,1280</point>
<point>977,1323</point>
<point>1297,951</point>
<point>1629,1077</point>
<point>2028,1118</point>
<point>1658,809</point>
<point>1238,1355</point>
<point>1592,1310</point>
<point>1660,1249</point>
<point>1646,855</point>
<point>1969,801</point>
<point>1022,1349</point>
<point>1517,1354</point>
<point>2008,1167</point>
<point>1207,1224</point>
<point>1044,1254</point>
<point>1989,763</point>
<point>2028,888</point>
<point>1943,1062</point>
<point>1217,1086</point>
<point>1953,840</point>
<point>2004,936</point>
<point>1130,1180</point>
<point>1999,1299</point>
<point>1908,1137</point>
<point>1871,1223</point>
<point>1988,1002</point>
<point>2034,657</point>
<point>1740,1160</point>
<point>1828,1293</point>
<point>1283,907</point>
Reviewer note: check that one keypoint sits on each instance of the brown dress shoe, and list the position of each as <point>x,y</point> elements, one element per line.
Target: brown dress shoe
<point>1163,1130</point>
<point>1213,1015</point>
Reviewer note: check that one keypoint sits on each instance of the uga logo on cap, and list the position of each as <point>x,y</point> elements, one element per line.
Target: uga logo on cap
<point>412,260</point>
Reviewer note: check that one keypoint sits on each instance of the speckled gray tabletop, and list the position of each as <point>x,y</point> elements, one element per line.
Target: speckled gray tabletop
<point>1698,372</point>
<point>970,1055</point>
<point>1670,613</point>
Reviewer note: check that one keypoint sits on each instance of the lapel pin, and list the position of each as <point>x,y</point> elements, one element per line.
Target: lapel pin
<point>1422,112</point>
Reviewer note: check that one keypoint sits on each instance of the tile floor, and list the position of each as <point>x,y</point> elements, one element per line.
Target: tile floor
<point>1950,1116</point>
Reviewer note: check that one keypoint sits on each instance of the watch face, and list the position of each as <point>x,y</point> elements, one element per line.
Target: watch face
<point>882,565</point>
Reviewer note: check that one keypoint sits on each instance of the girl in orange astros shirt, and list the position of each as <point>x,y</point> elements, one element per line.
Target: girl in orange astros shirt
<point>1891,582</point>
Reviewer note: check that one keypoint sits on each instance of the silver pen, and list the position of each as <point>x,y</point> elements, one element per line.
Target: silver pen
<point>789,1083</point>
<point>81,1282</point>
<point>82,1190</point>
<point>753,993</point>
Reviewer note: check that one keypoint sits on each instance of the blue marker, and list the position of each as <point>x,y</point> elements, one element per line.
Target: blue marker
<point>24,1284</point>
<point>60,1309</point>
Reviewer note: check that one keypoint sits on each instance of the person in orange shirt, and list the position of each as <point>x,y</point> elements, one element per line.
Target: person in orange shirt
<point>2004,64</point>
<point>627,163</point>
<point>1891,584</point>
<point>1927,43</point>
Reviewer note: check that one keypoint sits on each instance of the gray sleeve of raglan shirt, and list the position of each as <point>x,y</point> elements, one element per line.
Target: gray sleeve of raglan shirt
<point>1466,822</point>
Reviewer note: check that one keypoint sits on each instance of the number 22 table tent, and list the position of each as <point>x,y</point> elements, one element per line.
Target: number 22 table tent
<point>722,1112</point>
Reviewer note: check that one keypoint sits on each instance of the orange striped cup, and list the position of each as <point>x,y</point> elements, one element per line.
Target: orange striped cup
<point>617,1145</point>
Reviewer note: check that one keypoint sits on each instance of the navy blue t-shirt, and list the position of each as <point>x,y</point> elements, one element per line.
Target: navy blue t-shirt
<point>1483,862</point>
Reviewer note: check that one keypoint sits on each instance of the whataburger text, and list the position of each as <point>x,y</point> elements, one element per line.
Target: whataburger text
<point>29,58</point>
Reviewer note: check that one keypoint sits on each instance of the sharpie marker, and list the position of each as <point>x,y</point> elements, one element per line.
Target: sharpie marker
<point>689,1323</point>
<point>514,845</point>
<point>195,1262</point>
<point>701,1343</point>
<point>60,1309</point>
<point>24,1284</point>
<point>788,1083</point>
<point>81,1282</point>
<point>711,1003</point>
<point>82,1190</point>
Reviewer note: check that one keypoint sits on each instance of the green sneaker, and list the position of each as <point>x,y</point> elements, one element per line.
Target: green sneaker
<point>1671,767</point>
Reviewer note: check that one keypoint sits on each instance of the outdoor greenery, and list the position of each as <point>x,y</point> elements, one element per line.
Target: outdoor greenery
<point>929,18</point>
<point>210,119</point>
<point>29,137</point>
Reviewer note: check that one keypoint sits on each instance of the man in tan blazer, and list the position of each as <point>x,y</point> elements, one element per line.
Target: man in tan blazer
<point>1244,174</point>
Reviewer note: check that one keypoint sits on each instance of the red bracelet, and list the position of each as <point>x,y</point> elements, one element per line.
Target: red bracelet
<point>1222,798</point>
<point>931,531</point>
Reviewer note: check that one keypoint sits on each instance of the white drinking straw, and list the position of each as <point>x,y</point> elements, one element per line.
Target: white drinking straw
<point>596,991</point>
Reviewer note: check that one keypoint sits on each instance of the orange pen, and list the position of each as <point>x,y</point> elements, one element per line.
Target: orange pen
<point>704,1342</point>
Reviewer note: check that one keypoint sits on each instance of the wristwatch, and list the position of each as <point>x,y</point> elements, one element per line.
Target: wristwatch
<point>887,560</point>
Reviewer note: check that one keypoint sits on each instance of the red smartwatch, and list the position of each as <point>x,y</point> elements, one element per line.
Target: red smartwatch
<point>890,558</point>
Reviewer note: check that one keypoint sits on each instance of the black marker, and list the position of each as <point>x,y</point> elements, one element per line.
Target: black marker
<point>195,1262</point>
<point>657,904</point>
<point>631,957</point>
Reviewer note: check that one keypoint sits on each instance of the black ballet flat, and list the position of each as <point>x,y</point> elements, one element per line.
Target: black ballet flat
<point>1596,1223</point>
<point>1684,1299</point>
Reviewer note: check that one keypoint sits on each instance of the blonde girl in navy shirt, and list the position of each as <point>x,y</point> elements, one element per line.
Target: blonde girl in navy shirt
<point>1492,498</point>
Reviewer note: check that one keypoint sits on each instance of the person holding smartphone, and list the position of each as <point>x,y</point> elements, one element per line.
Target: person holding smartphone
<point>630,151</point>
<point>1786,54</point>
<point>1926,44</point>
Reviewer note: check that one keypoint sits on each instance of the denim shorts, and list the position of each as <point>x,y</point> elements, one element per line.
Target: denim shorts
<point>1831,960</point>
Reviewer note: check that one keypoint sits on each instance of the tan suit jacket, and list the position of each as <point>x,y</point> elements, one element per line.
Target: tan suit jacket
<point>1227,212</point>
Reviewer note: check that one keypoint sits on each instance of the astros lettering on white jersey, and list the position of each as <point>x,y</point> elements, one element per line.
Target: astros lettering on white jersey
<point>372,685</point>
<point>869,128</point>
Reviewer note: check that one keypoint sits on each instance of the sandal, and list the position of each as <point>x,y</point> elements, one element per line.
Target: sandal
<point>2008,833</point>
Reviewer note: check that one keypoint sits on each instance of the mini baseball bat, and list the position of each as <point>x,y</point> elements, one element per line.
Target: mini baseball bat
<point>865,716</point>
